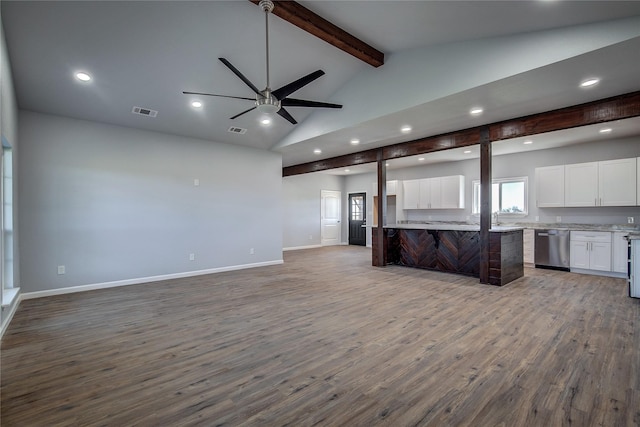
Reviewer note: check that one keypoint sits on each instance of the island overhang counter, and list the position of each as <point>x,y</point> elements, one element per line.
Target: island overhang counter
<point>453,248</point>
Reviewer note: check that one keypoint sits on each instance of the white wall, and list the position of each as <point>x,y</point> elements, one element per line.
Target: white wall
<point>9,131</point>
<point>115,204</point>
<point>301,208</point>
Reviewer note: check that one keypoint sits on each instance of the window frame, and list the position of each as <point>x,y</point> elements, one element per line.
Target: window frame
<point>475,195</point>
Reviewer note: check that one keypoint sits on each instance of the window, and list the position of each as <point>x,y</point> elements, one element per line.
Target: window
<point>508,196</point>
<point>357,211</point>
<point>6,221</point>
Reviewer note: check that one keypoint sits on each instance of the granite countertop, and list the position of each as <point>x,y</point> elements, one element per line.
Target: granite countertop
<point>505,226</point>
<point>452,227</point>
<point>634,235</point>
<point>579,227</point>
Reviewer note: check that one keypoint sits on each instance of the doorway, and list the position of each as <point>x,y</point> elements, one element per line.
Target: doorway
<point>357,209</point>
<point>331,228</point>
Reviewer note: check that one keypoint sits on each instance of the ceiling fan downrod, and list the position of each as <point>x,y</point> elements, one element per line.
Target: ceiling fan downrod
<point>268,104</point>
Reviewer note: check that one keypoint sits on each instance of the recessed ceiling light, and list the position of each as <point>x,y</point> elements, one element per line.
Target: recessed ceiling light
<point>82,76</point>
<point>405,129</point>
<point>589,82</point>
<point>605,130</point>
<point>476,111</point>
<point>196,104</point>
<point>386,164</point>
<point>355,141</point>
<point>347,170</point>
<point>317,151</point>
<point>467,151</point>
<point>265,121</point>
<point>421,159</point>
<point>528,142</point>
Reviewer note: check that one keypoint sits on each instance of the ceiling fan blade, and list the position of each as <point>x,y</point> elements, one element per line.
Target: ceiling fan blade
<point>240,75</point>
<point>290,102</point>
<point>245,111</point>
<point>222,96</point>
<point>285,114</point>
<point>287,90</point>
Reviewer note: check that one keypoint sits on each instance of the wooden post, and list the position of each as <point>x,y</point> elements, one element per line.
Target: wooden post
<point>485,202</point>
<point>381,206</point>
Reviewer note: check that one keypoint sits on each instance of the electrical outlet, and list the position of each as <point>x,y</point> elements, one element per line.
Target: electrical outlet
<point>196,182</point>
<point>558,219</point>
<point>629,220</point>
<point>62,269</point>
<point>537,218</point>
<point>252,251</point>
<point>192,257</point>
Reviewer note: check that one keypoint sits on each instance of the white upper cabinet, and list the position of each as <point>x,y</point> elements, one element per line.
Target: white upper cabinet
<point>452,192</point>
<point>604,183</point>
<point>445,192</point>
<point>392,188</point>
<point>411,193</point>
<point>425,193</point>
<point>581,184</point>
<point>550,187</point>
<point>617,182</point>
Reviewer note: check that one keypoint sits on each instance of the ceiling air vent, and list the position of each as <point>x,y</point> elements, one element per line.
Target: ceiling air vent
<point>144,111</point>
<point>239,131</point>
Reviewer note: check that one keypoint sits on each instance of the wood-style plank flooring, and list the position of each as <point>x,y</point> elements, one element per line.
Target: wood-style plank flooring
<point>325,339</point>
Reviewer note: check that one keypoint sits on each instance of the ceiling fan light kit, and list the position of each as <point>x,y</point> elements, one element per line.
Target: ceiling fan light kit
<point>268,101</point>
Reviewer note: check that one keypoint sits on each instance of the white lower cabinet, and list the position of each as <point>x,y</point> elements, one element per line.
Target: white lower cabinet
<point>620,252</point>
<point>528,245</point>
<point>591,250</point>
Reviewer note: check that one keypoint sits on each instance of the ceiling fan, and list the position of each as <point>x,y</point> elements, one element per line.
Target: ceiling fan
<point>268,101</point>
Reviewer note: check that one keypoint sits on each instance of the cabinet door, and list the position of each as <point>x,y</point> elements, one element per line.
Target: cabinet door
<point>550,186</point>
<point>452,192</point>
<point>617,182</point>
<point>426,185</point>
<point>600,256</point>
<point>392,187</point>
<point>579,254</point>
<point>620,252</point>
<point>434,200</point>
<point>411,193</point>
<point>528,245</point>
<point>638,181</point>
<point>581,184</point>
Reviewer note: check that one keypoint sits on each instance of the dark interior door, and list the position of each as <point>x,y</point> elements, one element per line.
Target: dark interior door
<point>357,210</point>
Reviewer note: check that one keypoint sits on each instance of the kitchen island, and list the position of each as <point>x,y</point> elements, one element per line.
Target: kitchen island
<point>453,249</point>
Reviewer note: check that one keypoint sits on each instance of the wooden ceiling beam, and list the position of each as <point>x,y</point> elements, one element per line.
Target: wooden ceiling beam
<point>316,25</point>
<point>601,111</point>
<point>359,158</point>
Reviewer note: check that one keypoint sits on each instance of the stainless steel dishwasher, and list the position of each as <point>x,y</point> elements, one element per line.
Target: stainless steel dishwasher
<point>552,249</point>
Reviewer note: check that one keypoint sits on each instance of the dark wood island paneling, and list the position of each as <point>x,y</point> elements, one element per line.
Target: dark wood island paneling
<point>454,251</point>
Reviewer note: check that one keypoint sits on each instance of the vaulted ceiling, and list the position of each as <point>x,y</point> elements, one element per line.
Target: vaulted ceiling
<point>441,58</point>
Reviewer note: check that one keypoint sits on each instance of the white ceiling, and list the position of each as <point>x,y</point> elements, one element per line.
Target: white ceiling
<point>146,53</point>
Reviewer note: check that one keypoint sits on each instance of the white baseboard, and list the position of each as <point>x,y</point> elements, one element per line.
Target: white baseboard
<point>140,280</point>
<point>600,273</point>
<point>296,248</point>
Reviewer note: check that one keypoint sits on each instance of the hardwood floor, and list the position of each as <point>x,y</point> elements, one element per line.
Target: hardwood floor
<point>326,339</point>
